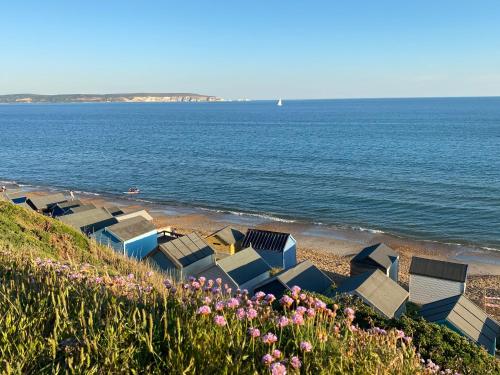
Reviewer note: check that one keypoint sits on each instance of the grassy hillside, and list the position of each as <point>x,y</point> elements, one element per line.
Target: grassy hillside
<point>68,305</point>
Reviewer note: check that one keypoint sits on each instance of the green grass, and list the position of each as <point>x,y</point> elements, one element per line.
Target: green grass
<point>68,305</point>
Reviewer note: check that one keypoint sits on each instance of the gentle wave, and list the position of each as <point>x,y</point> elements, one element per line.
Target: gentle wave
<point>86,192</point>
<point>374,231</point>
<point>490,248</point>
<point>262,216</point>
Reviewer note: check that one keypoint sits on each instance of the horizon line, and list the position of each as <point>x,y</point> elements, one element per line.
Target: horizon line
<point>241,98</point>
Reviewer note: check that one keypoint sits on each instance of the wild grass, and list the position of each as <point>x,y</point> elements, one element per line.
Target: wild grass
<point>57,318</point>
<point>68,305</point>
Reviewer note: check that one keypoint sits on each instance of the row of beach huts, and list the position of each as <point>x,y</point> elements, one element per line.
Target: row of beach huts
<point>261,260</point>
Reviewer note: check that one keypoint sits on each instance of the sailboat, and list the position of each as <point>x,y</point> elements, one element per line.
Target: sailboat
<point>280,103</point>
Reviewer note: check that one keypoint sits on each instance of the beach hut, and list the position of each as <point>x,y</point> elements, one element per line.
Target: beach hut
<point>305,275</point>
<point>16,197</point>
<point>62,208</point>
<point>433,280</point>
<point>226,240</point>
<point>89,221</point>
<point>243,270</point>
<point>114,210</point>
<point>83,207</point>
<point>277,249</point>
<point>137,213</point>
<point>44,203</point>
<point>134,237</point>
<point>377,290</point>
<point>464,317</point>
<point>182,257</point>
<point>378,256</point>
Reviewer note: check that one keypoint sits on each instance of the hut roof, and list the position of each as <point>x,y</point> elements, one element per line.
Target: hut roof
<point>14,194</point>
<point>131,228</point>
<point>134,213</point>
<point>86,218</point>
<point>69,204</point>
<point>215,271</point>
<point>380,254</point>
<point>265,240</point>
<point>43,201</point>
<point>228,235</point>
<point>186,250</point>
<point>465,316</point>
<point>305,275</point>
<point>438,269</point>
<point>83,207</point>
<point>114,210</point>
<point>244,266</point>
<point>377,290</point>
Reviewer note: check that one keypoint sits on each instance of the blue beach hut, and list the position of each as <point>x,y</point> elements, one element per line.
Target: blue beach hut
<point>277,249</point>
<point>135,237</point>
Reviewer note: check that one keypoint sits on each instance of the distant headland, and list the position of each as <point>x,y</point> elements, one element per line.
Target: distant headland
<point>105,98</point>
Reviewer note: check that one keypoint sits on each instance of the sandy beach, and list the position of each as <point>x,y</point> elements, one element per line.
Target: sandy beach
<point>329,248</point>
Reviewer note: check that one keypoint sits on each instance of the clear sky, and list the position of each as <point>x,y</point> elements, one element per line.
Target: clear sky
<point>253,49</point>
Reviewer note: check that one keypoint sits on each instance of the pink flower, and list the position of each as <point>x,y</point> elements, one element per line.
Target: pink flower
<point>283,321</point>
<point>286,301</point>
<point>149,274</point>
<point>218,281</point>
<point>130,276</point>
<point>311,312</point>
<point>295,362</point>
<point>251,314</point>
<point>305,346</point>
<point>240,313</point>
<point>207,300</point>
<point>297,319</point>
<point>195,285</point>
<point>259,295</point>
<point>269,338</point>
<point>276,354</point>
<point>219,306</point>
<point>320,305</point>
<point>278,368</point>
<point>400,334</point>
<point>267,359</point>
<point>349,313</point>
<point>254,332</point>
<point>270,298</point>
<point>201,279</point>
<point>301,310</point>
<point>295,291</point>
<point>233,303</point>
<point>210,283</point>
<point>220,320</point>
<point>204,310</point>
<point>302,296</point>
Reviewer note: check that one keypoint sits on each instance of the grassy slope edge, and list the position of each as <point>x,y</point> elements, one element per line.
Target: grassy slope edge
<point>92,310</point>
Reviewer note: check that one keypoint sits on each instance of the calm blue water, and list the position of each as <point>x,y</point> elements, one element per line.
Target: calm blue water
<point>422,168</point>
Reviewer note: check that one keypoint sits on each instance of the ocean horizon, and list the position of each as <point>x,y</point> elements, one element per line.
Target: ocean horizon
<point>421,168</point>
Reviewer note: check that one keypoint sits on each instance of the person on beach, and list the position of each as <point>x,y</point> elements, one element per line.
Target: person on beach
<point>72,195</point>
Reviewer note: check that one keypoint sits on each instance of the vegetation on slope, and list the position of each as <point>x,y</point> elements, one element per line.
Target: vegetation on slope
<point>69,305</point>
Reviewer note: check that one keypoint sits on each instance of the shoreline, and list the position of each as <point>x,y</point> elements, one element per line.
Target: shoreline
<point>322,238</point>
<point>330,249</point>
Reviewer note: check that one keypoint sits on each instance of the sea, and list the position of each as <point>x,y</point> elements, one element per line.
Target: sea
<point>425,169</point>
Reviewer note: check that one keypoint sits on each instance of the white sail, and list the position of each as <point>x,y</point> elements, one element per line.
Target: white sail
<point>279,103</point>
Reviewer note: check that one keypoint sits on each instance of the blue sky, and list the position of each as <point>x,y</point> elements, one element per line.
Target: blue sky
<point>253,49</point>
